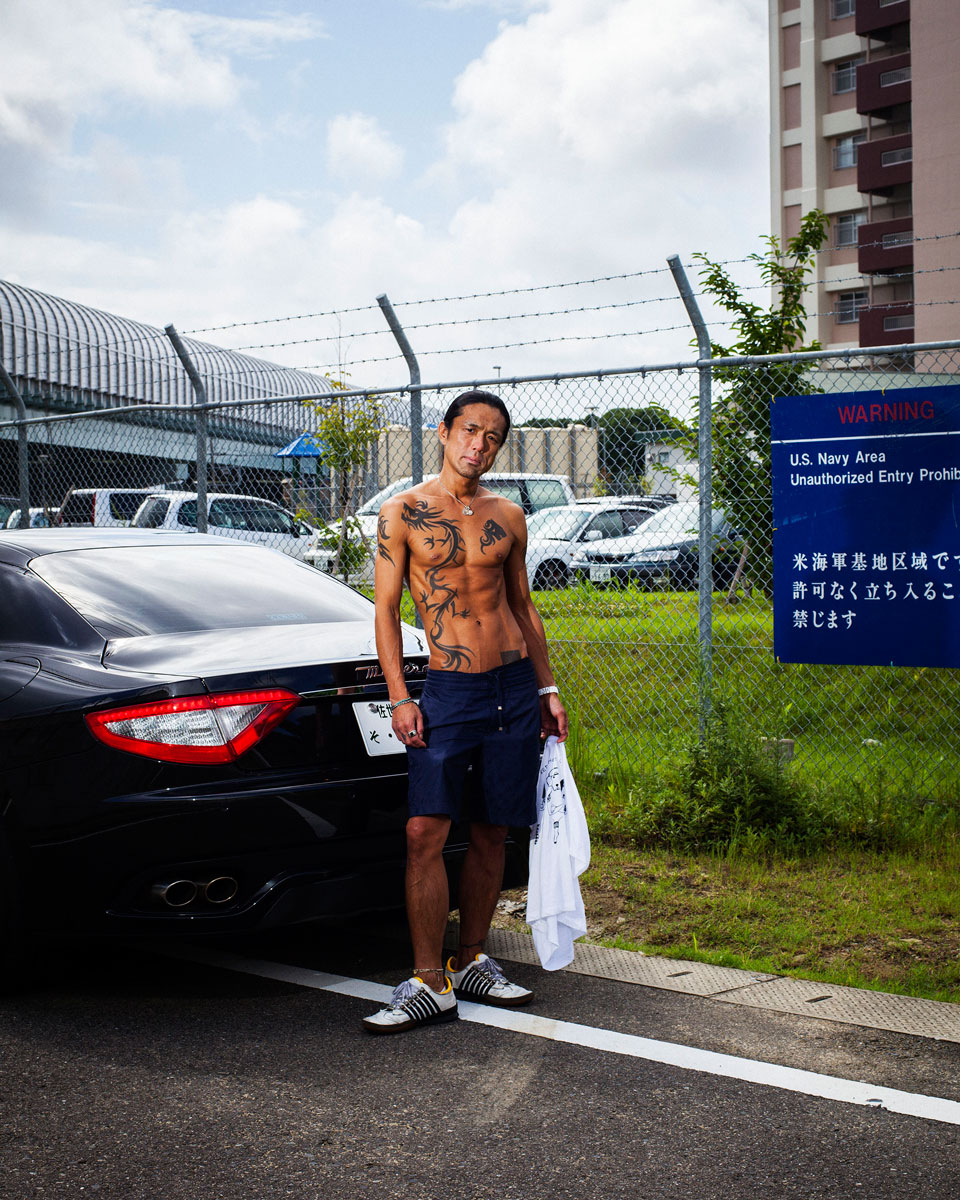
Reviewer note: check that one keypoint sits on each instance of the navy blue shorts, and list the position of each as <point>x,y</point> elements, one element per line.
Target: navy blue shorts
<point>489,720</point>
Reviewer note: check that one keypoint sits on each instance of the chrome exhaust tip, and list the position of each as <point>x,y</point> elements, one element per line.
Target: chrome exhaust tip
<point>175,893</point>
<point>220,890</point>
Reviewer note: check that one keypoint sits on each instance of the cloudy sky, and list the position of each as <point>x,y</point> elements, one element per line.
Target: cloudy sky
<point>212,163</point>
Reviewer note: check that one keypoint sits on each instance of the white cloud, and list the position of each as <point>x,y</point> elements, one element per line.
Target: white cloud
<point>359,149</point>
<point>254,36</point>
<point>63,60</point>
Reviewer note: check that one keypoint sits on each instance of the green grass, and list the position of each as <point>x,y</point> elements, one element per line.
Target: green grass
<point>877,920</point>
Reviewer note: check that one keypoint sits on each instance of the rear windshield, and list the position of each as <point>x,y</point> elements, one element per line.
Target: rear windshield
<point>136,591</point>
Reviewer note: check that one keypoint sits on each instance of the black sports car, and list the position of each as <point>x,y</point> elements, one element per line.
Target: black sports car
<point>194,735</point>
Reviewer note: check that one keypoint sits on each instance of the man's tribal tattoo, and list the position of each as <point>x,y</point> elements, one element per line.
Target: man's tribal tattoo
<point>492,532</point>
<point>439,600</point>
<point>382,538</point>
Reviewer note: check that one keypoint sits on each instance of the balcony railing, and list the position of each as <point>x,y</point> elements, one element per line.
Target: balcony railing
<point>875,17</point>
<point>883,83</point>
<point>883,164</point>
<point>887,324</point>
<point>885,247</point>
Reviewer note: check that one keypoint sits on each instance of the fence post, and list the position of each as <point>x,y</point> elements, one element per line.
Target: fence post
<point>23,455</point>
<point>705,473</point>
<point>416,407</point>
<point>202,432</point>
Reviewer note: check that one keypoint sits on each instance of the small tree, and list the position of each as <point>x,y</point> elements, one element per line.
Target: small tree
<point>741,405</point>
<point>623,435</point>
<point>346,429</point>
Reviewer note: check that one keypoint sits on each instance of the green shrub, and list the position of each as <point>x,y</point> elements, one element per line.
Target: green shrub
<point>722,791</point>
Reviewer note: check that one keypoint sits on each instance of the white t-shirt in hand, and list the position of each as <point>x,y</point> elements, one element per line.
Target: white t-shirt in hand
<point>559,853</point>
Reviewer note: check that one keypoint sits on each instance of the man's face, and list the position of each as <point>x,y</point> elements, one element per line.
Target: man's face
<point>471,445</point>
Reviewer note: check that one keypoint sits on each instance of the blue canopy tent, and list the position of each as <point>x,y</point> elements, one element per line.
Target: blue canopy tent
<point>304,446</point>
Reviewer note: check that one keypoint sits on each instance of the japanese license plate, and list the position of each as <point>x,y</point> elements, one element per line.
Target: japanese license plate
<point>376,728</point>
<point>599,574</point>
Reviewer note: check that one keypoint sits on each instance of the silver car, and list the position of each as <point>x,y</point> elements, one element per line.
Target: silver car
<point>246,518</point>
<point>556,534</point>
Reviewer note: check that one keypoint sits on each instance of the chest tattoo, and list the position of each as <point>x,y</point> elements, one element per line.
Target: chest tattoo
<point>438,599</point>
<point>492,532</point>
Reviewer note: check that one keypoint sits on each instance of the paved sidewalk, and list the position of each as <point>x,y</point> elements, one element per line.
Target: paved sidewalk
<point>727,985</point>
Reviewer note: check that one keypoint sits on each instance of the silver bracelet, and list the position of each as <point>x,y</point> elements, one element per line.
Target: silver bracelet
<point>395,704</point>
<point>545,691</point>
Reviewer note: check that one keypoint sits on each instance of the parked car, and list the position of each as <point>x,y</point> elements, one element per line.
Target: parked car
<point>246,518</point>
<point>194,736</point>
<point>7,505</point>
<point>654,500</point>
<point>531,491</point>
<point>40,518</point>
<point>110,507</point>
<point>664,552</point>
<point>555,534</point>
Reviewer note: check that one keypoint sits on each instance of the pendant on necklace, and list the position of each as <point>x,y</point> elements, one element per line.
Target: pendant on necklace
<point>468,512</point>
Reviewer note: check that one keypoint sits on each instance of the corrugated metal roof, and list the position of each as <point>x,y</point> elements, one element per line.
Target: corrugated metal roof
<point>53,345</point>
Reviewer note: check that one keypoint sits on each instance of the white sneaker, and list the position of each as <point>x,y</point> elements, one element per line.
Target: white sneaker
<point>413,1003</point>
<point>483,981</point>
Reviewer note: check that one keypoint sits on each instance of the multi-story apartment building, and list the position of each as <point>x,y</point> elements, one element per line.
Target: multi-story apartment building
<point>865,100</point>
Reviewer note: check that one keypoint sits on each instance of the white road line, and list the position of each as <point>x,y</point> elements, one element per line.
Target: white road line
<point>673,1054</point>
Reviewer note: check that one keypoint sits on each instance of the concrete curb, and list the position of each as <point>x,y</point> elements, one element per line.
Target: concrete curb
<point>727,985</point>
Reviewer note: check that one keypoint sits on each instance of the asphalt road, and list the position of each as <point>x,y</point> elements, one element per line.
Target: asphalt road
<point>138,1075</point>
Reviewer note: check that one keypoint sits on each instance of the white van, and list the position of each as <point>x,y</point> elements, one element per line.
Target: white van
<point>103,506</point>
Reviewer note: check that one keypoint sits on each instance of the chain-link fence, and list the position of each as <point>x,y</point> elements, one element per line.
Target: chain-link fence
<point>641,645</point>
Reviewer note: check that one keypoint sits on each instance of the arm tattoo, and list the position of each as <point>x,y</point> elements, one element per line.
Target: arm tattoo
<point>492,532</point>
<point>382,538</point>
<point>440,600</point>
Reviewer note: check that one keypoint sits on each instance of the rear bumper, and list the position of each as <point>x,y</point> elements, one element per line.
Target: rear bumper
<point>335,852</point>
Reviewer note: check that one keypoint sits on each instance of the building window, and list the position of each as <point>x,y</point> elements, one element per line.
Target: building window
<point>901,322</point>
<point>845,75</point>
<point>847,226</point>
<point>842,8</point>
<point>845,150</point>
<point>892,78</point>
<point>848,307</point>
<point>890,158</point>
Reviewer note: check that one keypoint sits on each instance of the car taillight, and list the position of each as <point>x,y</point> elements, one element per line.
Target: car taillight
<point>194,729</point>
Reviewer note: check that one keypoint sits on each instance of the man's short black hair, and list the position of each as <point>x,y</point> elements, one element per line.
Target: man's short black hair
<point>476,397</point>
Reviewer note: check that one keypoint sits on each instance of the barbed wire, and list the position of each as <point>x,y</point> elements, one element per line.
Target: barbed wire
<point>914,239</point>
<point>543,287</point>
<point>557,312</point>
<point>584,337</point>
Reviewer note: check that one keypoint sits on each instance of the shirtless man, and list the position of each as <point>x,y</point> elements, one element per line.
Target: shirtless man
<point>461,548</point>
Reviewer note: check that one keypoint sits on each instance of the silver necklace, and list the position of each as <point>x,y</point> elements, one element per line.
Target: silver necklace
<point>467,510</point>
